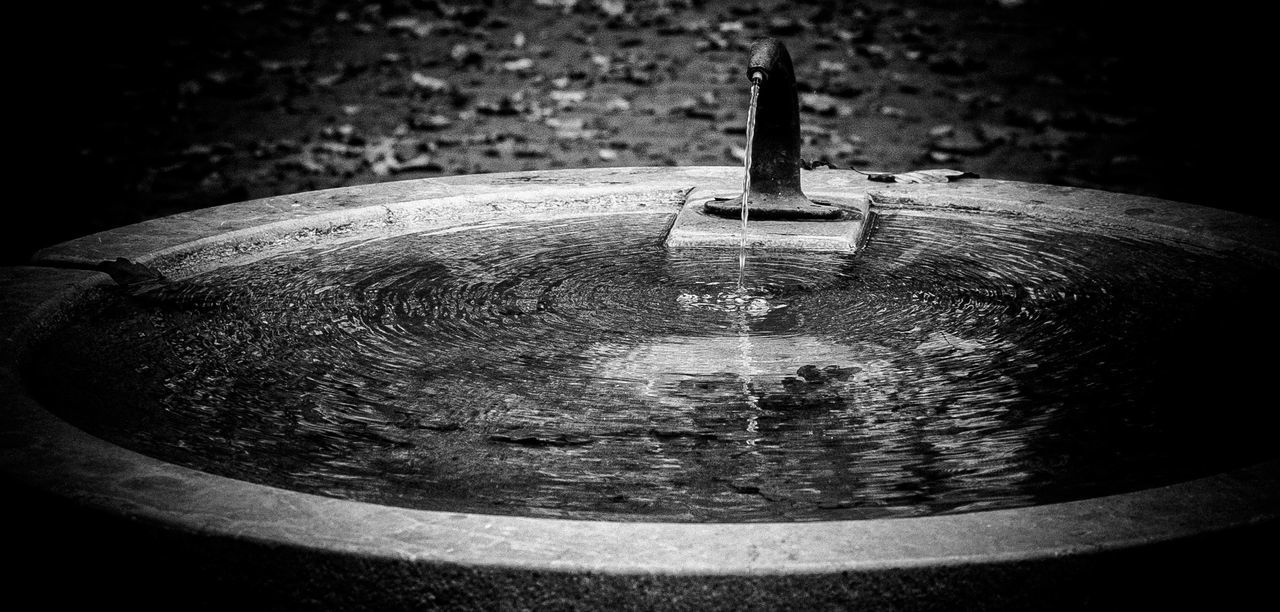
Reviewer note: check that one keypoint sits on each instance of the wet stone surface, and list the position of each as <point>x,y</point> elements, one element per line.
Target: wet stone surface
<point>575,368</point>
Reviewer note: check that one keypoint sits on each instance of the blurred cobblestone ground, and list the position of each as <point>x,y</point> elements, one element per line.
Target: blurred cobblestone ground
<point>146,110</point>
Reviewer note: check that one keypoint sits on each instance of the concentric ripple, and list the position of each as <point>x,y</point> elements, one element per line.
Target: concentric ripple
<point>576,368</point>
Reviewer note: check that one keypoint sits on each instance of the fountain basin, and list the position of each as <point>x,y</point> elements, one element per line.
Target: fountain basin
<point>231,541</point>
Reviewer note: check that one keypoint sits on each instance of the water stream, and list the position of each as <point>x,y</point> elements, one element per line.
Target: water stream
<point>744,330</point>
<point>746,174</point>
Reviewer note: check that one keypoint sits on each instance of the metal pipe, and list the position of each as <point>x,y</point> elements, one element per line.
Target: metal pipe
<point>775,160</point>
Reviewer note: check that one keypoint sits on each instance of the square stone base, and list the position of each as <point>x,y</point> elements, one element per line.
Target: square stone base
<point>694,228</point>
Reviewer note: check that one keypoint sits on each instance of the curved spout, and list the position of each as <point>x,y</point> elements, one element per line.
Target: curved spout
<point>775,165</point>
<point>775,161</point>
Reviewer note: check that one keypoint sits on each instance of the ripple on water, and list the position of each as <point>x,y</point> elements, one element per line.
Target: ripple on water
<point>577,368</point>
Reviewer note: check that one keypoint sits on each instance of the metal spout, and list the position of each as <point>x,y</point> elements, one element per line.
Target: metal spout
<point>775,161</point>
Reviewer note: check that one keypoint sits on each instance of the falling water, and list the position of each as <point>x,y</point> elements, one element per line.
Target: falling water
<point>744,335</point>
<point>746,175</point>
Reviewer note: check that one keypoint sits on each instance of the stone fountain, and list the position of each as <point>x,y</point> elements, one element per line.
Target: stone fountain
<point>119,524</point>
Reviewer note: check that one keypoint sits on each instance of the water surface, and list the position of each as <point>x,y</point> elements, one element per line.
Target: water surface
<point>576,368</point>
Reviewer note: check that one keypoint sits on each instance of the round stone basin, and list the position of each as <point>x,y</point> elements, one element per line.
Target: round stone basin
<point>502,388</point>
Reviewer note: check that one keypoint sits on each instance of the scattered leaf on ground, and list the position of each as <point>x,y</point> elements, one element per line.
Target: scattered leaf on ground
<point>430,84</point>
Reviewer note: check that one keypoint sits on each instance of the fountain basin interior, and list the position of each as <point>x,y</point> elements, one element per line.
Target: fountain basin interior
<point>510,378</point>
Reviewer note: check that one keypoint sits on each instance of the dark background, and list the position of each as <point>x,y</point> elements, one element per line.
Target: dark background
<point>134,110</point>
<point>124,111</point>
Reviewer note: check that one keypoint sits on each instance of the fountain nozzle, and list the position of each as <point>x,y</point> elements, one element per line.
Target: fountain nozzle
<point>775,161</point>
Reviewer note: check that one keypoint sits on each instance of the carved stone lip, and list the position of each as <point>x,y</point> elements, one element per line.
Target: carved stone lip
<point>377,553</point>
